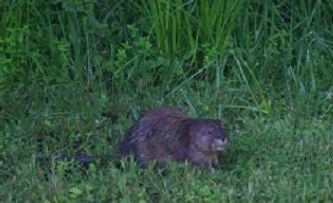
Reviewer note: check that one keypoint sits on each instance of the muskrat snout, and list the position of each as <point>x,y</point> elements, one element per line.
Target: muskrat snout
<point>219,144</point>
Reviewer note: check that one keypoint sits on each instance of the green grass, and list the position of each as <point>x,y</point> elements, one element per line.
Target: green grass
<point>75,75</point>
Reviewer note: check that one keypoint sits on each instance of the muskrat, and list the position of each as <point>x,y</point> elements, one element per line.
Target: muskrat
<point>167,133</point>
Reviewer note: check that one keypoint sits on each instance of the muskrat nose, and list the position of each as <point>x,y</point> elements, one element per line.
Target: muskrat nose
<point>219,144</point>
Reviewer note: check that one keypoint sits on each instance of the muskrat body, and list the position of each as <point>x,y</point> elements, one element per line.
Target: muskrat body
<point>166,133</point>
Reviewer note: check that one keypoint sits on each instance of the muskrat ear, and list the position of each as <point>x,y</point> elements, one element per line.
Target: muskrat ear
<point>191,124</point>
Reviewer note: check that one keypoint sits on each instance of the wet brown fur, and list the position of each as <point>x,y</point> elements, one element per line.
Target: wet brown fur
<point>166,133</point>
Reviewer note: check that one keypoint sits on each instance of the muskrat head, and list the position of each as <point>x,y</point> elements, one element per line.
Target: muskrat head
<point>207,135</point>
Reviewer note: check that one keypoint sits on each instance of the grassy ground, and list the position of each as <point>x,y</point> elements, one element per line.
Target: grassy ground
<point>74,76</point>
